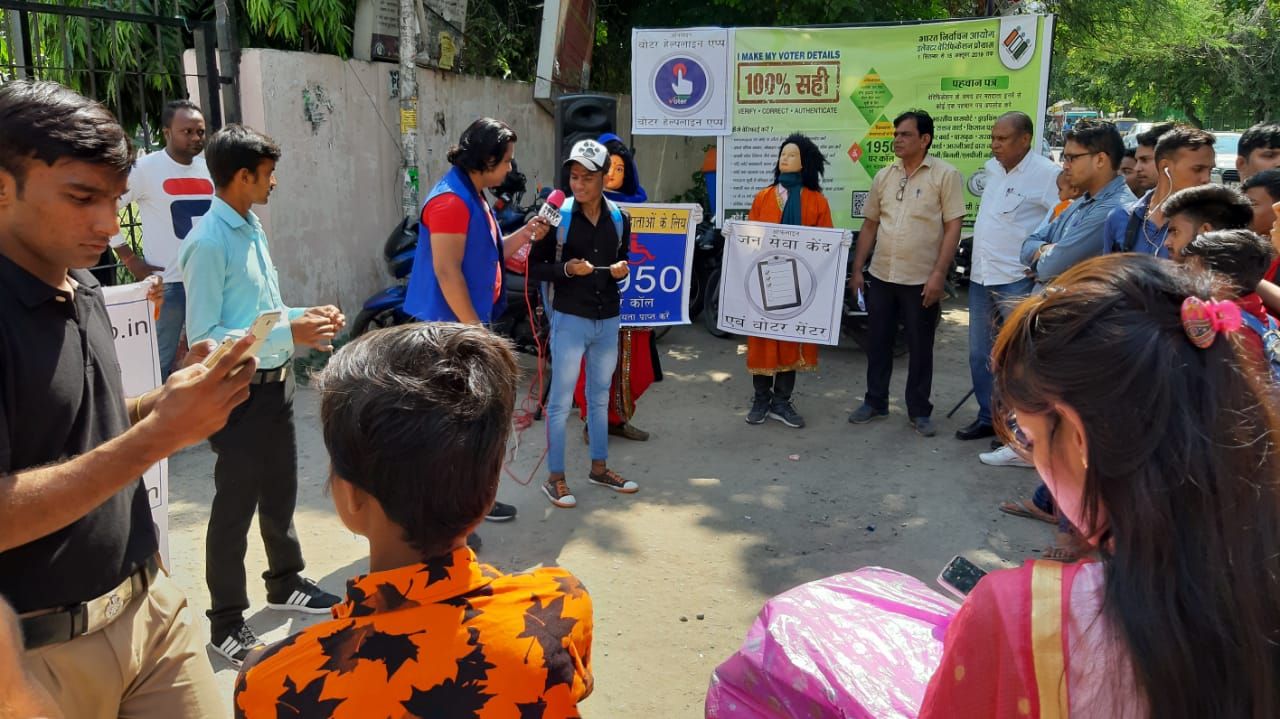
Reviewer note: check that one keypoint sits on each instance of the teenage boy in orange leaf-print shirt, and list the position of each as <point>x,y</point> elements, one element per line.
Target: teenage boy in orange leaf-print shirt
<point>416,420</point>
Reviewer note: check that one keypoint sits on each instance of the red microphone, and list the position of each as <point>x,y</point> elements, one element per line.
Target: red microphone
<point>550,210</point>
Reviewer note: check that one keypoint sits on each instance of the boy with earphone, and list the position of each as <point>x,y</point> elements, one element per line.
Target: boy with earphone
<point>1184,158</point>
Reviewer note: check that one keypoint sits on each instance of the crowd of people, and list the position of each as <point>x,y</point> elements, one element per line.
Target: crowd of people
<point>1161,480</point>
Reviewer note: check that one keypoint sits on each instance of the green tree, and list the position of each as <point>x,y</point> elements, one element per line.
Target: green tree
<point>134,68</point>
<point>1209,61</point>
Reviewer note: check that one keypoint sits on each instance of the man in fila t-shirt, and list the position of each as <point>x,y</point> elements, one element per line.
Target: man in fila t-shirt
<point>173,190</point>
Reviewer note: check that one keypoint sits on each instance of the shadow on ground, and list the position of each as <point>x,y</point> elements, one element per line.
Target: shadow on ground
<point>729,514</point>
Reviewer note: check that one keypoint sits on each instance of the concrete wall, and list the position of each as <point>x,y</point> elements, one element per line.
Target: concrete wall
<point>338,195</point>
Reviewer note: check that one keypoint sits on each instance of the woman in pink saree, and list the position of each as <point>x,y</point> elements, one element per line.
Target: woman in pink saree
<point>1161,448</point>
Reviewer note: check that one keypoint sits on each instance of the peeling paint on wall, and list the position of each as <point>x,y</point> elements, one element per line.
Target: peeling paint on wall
<point>316,106</point>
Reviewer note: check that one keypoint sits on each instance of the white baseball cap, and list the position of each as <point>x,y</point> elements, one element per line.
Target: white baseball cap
<point>590,154</point>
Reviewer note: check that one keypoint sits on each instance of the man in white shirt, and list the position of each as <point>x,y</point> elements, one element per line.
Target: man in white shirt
<point>1021,189</point>
<point>173,191</point>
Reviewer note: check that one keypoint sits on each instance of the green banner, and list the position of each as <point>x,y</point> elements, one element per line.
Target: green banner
<point>843,86</point>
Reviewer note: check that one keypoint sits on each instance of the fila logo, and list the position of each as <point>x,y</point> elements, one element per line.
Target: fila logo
<point>185,209</point>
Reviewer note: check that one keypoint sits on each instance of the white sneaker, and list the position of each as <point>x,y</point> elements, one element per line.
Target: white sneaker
<point>1004,457</point>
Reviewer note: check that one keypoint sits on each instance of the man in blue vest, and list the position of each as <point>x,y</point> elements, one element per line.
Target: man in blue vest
<point>580,268</point>
<point>460,247</point>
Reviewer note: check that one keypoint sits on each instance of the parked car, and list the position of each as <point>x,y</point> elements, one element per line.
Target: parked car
<point>1131,137</point>
<point>1225,151</point>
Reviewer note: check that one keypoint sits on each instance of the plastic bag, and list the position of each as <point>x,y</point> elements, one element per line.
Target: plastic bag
<point>858,645</point>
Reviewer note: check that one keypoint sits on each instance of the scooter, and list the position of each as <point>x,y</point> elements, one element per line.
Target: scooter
<point>386,309</point>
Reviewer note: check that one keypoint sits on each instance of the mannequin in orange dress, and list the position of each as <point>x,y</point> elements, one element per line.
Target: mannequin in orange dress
<point>794,198</point>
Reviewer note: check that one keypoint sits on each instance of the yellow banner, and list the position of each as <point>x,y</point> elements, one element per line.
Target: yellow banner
<point>661,221</point>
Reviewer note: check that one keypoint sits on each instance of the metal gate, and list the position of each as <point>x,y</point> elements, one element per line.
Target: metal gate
<point>128,55</point>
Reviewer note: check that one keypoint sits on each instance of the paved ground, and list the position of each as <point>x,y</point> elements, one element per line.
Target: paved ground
<point>724,519</point>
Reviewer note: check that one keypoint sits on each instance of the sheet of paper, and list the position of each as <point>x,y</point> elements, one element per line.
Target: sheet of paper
<point>779,283</point>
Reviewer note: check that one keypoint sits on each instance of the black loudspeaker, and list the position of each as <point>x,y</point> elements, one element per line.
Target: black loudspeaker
<point>581,117</point>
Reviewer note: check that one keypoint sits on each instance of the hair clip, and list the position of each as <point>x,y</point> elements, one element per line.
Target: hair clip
<point>1204,320</point>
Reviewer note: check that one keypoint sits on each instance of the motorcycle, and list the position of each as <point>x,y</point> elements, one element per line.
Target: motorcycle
<point>516,323</point>
<point>704,295</point>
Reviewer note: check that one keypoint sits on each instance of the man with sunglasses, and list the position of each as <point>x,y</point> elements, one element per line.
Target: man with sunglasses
<point>1091,161</point>
<point>913,217</point>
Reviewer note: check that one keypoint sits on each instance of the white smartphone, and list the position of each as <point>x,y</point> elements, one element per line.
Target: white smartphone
<point>960,576</point>
<point>261,327</point>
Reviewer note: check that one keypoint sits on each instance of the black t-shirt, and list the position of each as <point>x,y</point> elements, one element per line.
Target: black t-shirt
<point>61,395</point>
<point>594,296</point>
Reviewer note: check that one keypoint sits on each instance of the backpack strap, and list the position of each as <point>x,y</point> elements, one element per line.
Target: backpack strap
<point>562,232</point>
<point>1254,323</point>
<point>615,213</point>
<point>1269,334</point>
<point>1131,231</point>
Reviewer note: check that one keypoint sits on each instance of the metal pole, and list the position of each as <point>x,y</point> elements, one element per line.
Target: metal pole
<point>228,61</point>
<point>25,54</point>
<point>207,74</point>
<point>408,108</point>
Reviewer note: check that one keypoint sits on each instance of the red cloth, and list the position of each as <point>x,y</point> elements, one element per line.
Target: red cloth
<point>634,374</point>
<point>1271,272</point>
<point>447,214</point>
<point>988,664</point>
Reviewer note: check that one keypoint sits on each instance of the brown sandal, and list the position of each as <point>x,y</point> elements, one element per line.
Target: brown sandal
<point>1066,555</point>
<point>1027,510</point>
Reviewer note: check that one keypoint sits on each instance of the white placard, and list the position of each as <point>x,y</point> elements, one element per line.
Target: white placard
<point>783,282</point>
<point>134,329</point>
<point>680,82</point>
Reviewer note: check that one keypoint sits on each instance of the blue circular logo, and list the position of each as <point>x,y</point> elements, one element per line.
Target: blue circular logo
<point>681,84</point>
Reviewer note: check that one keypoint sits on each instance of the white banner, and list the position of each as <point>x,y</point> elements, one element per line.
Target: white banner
<point>783,282</point>
<point>134,329</point>
<point>679,82</point>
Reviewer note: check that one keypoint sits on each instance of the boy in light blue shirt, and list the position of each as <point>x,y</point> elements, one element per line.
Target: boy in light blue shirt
<point>230,279</point>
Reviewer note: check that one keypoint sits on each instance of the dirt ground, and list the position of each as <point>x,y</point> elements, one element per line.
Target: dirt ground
<point>724,519</point>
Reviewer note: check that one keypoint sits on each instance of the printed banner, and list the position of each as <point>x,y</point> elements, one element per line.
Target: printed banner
<point>783,282</point>
<point>134,330</point>
<point>842,87</point>
<point>679,82</point>
<point>661,257</point>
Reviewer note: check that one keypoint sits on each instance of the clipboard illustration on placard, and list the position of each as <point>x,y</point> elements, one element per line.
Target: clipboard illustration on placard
<point>779,283</point>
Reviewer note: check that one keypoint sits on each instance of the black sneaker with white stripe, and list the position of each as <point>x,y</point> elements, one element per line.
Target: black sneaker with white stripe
<point>306,598</point>
<point>235,645</point>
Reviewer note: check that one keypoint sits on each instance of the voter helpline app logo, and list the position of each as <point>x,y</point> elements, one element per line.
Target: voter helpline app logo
<point>1016,41</point>
<point>681,84</point>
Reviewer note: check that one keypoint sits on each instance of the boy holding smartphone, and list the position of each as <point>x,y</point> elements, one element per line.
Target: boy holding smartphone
<point>230,281</point>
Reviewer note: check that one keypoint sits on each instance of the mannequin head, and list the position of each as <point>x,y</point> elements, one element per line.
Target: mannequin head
<point>616,174</point>
<point>789,159</point>
<point>799,154</point>
<point>622,177</point>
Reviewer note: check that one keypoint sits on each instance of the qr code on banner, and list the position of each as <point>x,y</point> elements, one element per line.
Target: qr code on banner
<point>859,203</point>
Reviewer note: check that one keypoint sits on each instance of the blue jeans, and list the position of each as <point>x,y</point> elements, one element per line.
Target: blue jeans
<point>988,306</point>
<point>173,314</point>
<point>571,338</point>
